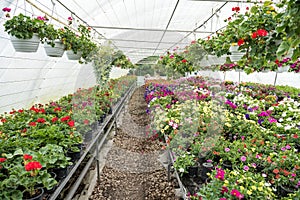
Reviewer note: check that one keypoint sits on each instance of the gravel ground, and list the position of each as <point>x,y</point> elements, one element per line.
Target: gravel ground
<point>132,169</point>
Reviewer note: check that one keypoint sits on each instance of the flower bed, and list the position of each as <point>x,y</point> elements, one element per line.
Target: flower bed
<point>37,141</point>
<point>249,133</point>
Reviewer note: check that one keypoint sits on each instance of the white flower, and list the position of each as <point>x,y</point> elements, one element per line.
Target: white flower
<point>280,120</point>
<point>181,170</point>
<point>289,119</point>
<point>271,108</point>
<point>288,127</point>
<point>284,114</point>
<point>279,125</point>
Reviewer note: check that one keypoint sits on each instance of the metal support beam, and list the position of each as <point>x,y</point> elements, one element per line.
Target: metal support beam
<point>146,29</point>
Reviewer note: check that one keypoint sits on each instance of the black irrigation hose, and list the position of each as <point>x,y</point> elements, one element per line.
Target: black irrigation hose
<point>113,116</point>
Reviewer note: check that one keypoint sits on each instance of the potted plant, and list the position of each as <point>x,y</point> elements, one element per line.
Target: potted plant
<point>25,32</point>
<point>78,46</point>
<point>53,41</point>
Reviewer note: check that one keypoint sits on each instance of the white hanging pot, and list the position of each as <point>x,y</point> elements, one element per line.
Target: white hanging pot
<point>220,60</point>
<point>56,51</point>
<point>211,59</point>
<point>72,56</point>
<point>235,54</point>
<point>204,62</point>
<point>26,45</point>
<point>283,69</point>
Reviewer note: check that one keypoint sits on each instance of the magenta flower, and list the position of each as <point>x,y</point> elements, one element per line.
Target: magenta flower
<point>246,168</point>
<point>70,18</point>
<point>220,174</point>
<point>41,18</point>
<point>288,147</point>
<point>293,175</point>
<point>236,193</point>
<point>171,56</point>
<point>254,165</point>
<point>283,149</point>
<point>6,9</point>
<point>227,149</point>
<point>264,114</point>
<point>243,158</point>
<point>223,198</point>
<point>224,190</point>
<point>272,120</point>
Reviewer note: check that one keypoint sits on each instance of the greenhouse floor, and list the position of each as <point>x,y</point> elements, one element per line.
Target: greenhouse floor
<point>130,161</point>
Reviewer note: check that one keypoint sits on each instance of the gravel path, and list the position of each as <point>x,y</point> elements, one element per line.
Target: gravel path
<point>132,170</point>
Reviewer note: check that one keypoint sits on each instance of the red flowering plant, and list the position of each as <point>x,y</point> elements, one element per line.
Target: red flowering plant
<point>26,174</point>
<point>254,33</point>
<point>177,62</point>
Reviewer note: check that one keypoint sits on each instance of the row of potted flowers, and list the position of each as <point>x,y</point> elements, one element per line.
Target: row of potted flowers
<point>245,136</point>
<point>47,139</point>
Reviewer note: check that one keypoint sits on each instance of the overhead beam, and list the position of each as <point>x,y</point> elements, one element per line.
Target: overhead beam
<point>145,41</point>
<point>146,29</point>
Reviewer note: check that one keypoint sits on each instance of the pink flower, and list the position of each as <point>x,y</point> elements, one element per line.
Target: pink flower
<point>288,147</point>
<point>272,120</point>
<point>41,18</point>
<point>220,174</point>
<point>227,149</point>
<point>243,158</point>
<point>224,189</point>
<point>70,18</point>
<point>171,56</point>
<point>246,168</point>
<point>6,9</point>
<point>223,198</point>
<point>236,193</point>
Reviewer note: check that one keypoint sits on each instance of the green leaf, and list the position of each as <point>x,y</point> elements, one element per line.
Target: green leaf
<point>283,47</point>
<point>18,152</point>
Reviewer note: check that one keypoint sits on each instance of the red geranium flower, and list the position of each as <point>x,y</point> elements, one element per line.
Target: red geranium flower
<point>254,35</point>
<point>41,120</point>
<point>57,109</point>
<point>66,118</point>
<point>34,165</point>
<point>71,123</point>
<point>27,157</point>
<point>3,120</point>
<point>2,160</point>
<point>54,119</point>
<point>262,32</point>
<point>20,111</point>
<point>184,61</point>
<point>86,122</point>
<point>276,171</point>
<point>32,124</point>
<point>241,42</point>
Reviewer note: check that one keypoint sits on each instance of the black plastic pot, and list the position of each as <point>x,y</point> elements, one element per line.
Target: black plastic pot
<point>283,191</point>
<point>61,173</point>
<point>192,171</point>
<point>227,165</point>
<point>206,168</point>
<point>74,155</point>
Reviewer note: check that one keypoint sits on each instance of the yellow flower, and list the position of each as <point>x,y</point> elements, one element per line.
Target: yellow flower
<point>227,124</point>
<point>249,192</point>
<point>268,12</point>
<point>162,130</point>
<point>166,127</point>
<point>242,188</point>
<point>239,117</point>
<point>177,121</point>
<point>260,188</point>
<point>253,187</point>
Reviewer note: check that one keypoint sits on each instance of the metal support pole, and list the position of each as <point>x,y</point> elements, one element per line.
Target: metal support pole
<point>275,79</point>
<point>239,77</point>
<point>97,161</point>
<point>224,75</point>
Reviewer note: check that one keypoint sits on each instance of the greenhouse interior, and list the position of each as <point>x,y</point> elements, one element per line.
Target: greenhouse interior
<point>156,100</point>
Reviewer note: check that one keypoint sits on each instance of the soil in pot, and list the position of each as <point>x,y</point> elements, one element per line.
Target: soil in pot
<point>227,165</point>
<point>283,191</point>
<point>38,195</point>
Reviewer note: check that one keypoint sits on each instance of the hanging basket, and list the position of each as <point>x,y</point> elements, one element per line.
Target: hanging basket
<point>56,51</point>
<point>72,56</point>
<point>220,60</point>
<point>26,45</point>
<point>283,69</point>
<point>236,55</point>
